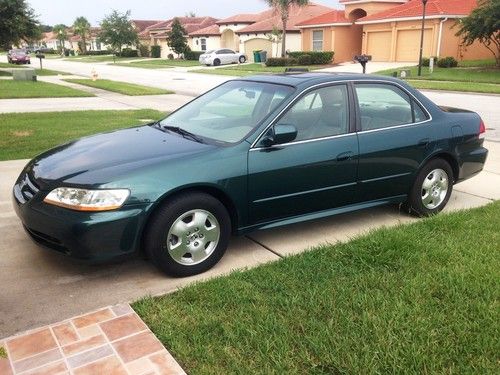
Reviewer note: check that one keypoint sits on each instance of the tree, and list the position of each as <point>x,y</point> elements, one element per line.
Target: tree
<point>62,35</point>
<point>176,37</point>
<point>81,27</point>
<point>17,22</point>
<point>275,38</point>
<point>117,30</point>
<point>483,25</point>
<point>282,7</point>
<point>190,14</point>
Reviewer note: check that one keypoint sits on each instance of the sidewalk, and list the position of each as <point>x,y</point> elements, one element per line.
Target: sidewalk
<point>103,100</point>
<point>113,340</point>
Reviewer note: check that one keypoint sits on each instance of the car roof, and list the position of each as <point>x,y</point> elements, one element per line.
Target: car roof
<point>297,79</point>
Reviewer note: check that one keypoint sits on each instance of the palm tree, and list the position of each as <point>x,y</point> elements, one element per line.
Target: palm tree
<point>282,7</point>
<point>81,27</point>
<point>62,35</point>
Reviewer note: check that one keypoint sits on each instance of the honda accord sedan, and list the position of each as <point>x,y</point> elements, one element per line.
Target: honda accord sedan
<point>253,153</point>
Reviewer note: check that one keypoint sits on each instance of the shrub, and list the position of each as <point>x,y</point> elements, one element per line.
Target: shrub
<point>170,56</point>
<point>447,62</point>
<point>281,61</point>
<point>144,50</point>
<point>97,53</point>
<point>426,61</point>
<point>129,52</point>
<point>317,57</point>
<point>156,52</point>
<point>304,59</point>
<point>193,55</point>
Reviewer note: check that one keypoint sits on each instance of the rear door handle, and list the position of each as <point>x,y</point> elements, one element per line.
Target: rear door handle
<point>424,142</point>
<point>345,156</point>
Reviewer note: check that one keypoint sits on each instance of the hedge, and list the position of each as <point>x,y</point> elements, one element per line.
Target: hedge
<point>96,53</point>
<point>156,52</point>
<point>317,57</point>
<point>129,52</point>
<point>193,55</point>
<point>282,61</point>
<point>447,62</point>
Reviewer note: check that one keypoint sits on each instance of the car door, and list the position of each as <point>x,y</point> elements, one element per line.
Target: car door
<point>316,171</point>
<point>394,139</point>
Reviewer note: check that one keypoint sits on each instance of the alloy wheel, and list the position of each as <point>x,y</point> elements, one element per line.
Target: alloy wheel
<point>435,188</point>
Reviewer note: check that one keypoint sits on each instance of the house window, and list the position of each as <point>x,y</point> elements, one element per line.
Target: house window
<point>318,40</point>
<point>203,43</point>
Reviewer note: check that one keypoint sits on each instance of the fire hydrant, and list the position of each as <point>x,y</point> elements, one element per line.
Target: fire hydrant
<point>94,75</point>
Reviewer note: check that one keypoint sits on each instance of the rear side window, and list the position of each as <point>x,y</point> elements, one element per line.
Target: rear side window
<point>383,105</point>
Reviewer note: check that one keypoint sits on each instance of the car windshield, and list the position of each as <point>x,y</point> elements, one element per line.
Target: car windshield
<point>229,112</point>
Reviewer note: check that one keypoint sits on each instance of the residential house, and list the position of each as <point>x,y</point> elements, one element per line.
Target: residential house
<point>248,32</point>
<point>156,34</point>
<point>390,30</point>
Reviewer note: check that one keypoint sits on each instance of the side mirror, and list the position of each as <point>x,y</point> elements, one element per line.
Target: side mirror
<point>280,134</point>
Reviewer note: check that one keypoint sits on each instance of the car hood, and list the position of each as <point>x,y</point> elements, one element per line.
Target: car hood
<point>98,159</point>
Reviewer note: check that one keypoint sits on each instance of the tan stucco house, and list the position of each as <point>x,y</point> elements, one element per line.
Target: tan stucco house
<point>389,30</point>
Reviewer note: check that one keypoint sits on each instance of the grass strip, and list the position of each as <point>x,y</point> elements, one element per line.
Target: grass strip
<point>10,89</point>
<point>124,88</point>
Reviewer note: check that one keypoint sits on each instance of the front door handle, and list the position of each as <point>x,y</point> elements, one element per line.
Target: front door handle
<point>345,156</point>
<point>424,142</point>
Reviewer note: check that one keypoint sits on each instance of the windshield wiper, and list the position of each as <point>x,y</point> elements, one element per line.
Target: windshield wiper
<point>183,132</point>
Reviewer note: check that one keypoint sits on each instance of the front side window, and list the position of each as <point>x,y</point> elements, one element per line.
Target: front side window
<point>231,111</point>
<point>318,40</point>
<point>383,105</point>
<point>320,113</point>
<point>203,43</point>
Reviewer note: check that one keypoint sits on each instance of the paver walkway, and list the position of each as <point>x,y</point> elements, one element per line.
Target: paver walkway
<point>113,340</point>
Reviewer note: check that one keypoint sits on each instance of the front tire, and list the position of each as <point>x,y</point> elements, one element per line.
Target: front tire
<point>242,59</point>
<point>188,235</point>
<point>432,189</point>
<point>216,62</point>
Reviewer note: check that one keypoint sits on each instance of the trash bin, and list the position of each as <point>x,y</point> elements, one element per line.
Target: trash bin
<point>256,56</point>
<point>263,56</point>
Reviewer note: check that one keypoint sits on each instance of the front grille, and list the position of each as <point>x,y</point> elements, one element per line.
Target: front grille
<point>25,189</point>
<point>47,240</point>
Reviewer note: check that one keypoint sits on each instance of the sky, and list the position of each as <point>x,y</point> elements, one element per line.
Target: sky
<point>52,12</point>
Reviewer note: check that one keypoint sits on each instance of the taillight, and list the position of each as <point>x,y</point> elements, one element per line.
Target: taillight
<point>482,130</point>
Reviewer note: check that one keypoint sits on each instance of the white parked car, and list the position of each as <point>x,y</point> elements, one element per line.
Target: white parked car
<point>222,56</point>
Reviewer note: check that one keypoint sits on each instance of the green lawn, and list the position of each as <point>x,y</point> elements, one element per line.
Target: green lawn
<point>415,299</point>
<point>471,76</point>
<point>10,89</point>
<point>100,58</point>
<point>120,87</point>
<point>39,72</point>
<point>160,63</point>
<point>252,69</point>
<point>487,88</point>
<point>24,135</point>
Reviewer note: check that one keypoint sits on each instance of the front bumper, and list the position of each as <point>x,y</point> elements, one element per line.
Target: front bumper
<point>89,236</point>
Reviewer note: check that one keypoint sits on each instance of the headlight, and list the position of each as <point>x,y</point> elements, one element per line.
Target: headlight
<point>87,200</point>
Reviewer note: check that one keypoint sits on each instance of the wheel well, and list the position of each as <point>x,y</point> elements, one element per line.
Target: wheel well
<point>214,192</point>
<point>451,161</point>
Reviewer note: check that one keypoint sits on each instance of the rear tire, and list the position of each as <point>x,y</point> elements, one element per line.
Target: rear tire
<point>188,235</point>
<point>432,189</point>
<point>242,59</point>
<point>216,62</point>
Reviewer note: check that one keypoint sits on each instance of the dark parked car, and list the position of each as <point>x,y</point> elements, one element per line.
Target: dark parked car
<point>18,56</point>
<point>252,153</point>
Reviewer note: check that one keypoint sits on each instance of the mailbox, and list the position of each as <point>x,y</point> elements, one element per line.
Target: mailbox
<point>363,60</point>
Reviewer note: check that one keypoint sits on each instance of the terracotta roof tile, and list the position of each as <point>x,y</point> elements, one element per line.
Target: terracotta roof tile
<point>336,16</point>
<point>414,8</point>
<point>297,15</point>
<point>141,25</point>
<point>210,30</point>
<point>240,18</point>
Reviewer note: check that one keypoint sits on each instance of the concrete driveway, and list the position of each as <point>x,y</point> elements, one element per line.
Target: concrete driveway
<point>40,287</point>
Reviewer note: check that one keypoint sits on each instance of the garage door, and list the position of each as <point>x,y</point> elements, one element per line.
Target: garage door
<point>378,45</point>
<point>258,44</point>
<point>408,45</point>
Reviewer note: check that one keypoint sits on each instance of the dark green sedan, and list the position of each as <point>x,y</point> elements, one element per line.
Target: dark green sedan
<point>252,153</point>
